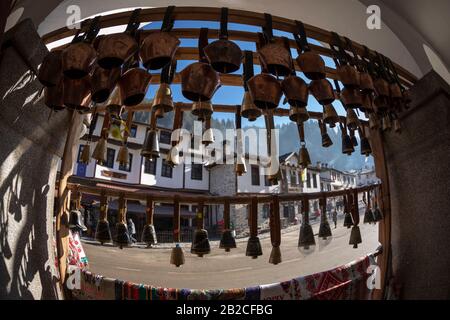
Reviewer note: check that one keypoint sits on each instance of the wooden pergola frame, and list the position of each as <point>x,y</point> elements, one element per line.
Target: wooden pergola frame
<point>241,17</point>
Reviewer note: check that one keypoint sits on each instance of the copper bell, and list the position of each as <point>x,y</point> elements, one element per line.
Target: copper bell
<point>77,93</point>
<point>133,85</point>
<point>114,49</point>
<point>177,256</point>
<point>200,243</point>
<point>54,96</point>
<point>149,235</point>
<point>275,255</point>
<point>199,82</point>
<point>349,76</point>
<point>367,86</point>
<point>103,82</point>
<point>352,119</point>
<point>227,241</point>
<point>85,154</point>
<point>123,156</point>
<point>275,58</point>
<point>158,49</point>
<point>50,71</point>
<point>249,110</point>
<point>173,157</point>
<point>163,99</point>
<point>208,137</point>
<point>202,109</point>
<point>312,65</point>
<point>296,91</point>
<point>159,113</point>
<point>150,149</point>
<point>323,91</point>
<point>355,237</point>
<point>77,60</point>
<point>351,98</point>
<point>298,114</point>
<point>265,91</point>
<point>99,153</point>
<point>330,115</point>
<point>305,160</point>
<point>254,248</point>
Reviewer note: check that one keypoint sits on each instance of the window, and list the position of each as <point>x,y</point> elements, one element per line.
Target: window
<point>308,180</point>
<point>150,166</point>
<point>110,156</point>
<point>255,176</point>
<point>133,131</point>
<point>197,171</point>
<point>314,180</point>
<point>165,136</point>
<point>127,167</point>
<point>293,178</point>
<point>166,170</point>
<point>266,181</point>
<point>80,151</point>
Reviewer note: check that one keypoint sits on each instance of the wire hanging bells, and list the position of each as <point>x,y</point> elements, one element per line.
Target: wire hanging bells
<point>50,71</point>
<point>311,64</point>
<point>103,82</point>
<point>326,140</point>
<point>224,55</point>
<point>306,241</point>
<point>177,255</point>
<point>78,58</point>
<point>199,81</point>
<point>163,101</point>
<point>254,248</point>
<point>122,237</point>
<point>102,232</point>
<point>249,109</point>
<point>149,233</point>
<point>275,231</point>
<point>200,242</point>
<point>227,241</point>
<point>355,235</point>
<point>115,49</point>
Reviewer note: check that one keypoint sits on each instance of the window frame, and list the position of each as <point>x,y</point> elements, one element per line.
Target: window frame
<point>253,169</point>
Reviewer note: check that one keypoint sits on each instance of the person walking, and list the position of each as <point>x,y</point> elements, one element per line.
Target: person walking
<point>335,218</point>
<point>132,230</point>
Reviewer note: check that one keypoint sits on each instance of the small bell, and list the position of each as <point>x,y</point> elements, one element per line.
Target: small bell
<point>348,220</point>
<point>177,256</point>
<point>366,150</point>
<point>99,153</point>
<point>150,149</point>
<point>306,240</point>
<point>249,110</point>
<point>85,154</point>
<point>163,99</point>
<point>368,216</point>
<point>298,114</point>
<point>173,157</point>
<point>76,221</point>
<point>240,167</point>
<point>149,235</point>
<point>122,237</point>
<point>208,137</point>
<point>324,229</point>
<point>347,144</point>
<point>353,137</point>
<point>102,232</point>
<point>330,115</point>
<point>326,141</point>
<point>123,156</point>
<point>254,248</point>
<point>378,216</point>
<point>275,255</point>
<point>305,160</point>
<point>202,109</point>
<point>227,241</point>
<point>352,119</point>
<point>200,243</point>
<point>355,237</point>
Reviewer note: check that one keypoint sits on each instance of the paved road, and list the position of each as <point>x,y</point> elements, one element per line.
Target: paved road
<point>228,270</point>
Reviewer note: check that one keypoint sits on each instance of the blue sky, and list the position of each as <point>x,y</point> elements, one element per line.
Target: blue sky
<point>233,95</point>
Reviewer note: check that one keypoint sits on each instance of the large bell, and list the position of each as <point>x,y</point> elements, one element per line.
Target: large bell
<point>224,55</point>
<point>133,86</point>
<point>249,110</point>
<point>114,49</point>
<point>149,235</point>
<point>367,103</point>
<point>352,119</point>
<point>208,137</point>
<point>349,76</point>
<point>150,149</point>
<point>298,114</point>
<point>367,86</point>
<point>227,241</point>
<point>202,109</point>
<point>276,59</point>
<point>347,144</point>
<point>77,93</point>
<point>305,160</point>
<point>355,237</point>
<point>366,150</point>
<point>306,239</point>
<point>103,233</point>
<point>163,98</point>
<point>296,91</point>
<point>173,157</point>
<point>312,65</point>
<point>77,60</point>
<point>200,243</point>
<point>330,115</point>
<point>348,220</point>
<point>122,237</point>
<point>177,256</point>
<point>265,91</point>
<point>85,154</point>
<point>323,91</point>
<point>199,82</point>
<point>123,156</point>
<point>254,248</point>
<point>103,83</point>
<point>275,255</point>
<point>99,153</point>
<point>158,49</point>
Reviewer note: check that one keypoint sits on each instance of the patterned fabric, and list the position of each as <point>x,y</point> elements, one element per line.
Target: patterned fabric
<point>76,255</point>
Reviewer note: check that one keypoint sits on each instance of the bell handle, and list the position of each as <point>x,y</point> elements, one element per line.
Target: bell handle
<point>133,23</point>
<point>223,35</point>
<point>168,20</point>
<point>248,67</point>
<point>94,28</point>
<point>339,52</point>
<point>274,222</point>
<point>300,38</point>
<point>262,41</point>
<point>268,28</point>
<point>202,43</point>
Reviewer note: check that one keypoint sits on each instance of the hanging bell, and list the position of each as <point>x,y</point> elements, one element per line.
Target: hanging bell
<point>77,93</point>
<point>150,149</point>
<point>296,91</point>
<point>305,160</point>
<point>275,255</point>
<point>102,232</point>
<point>347,144</point>
<point>227,241</point>
<point>326,141</point>
<point>77,60</point>
<point>133,86</point>
<point>274,178</point>
<point>99,153</point>
<point>368,216</point>
<point>348,220</point>
<point>208,137</point>
<point>199,82</point>
<point>50,71</point>
<point>177,256</point>
<point>352,119</point>
<point>122,237</point>
<point>275,58</point>
<point>163,99</point>
<point>85,154</point>
<point>378,216</point>
<point>353,138</point>
<point>103,83</point>
<point>265,91</point>
<point>330,115</point>
<point>173,157</point>
<point>202,109</point>
<point>349,76</point>
<point>367,103</point>
<point>312,65</point>
<point>200,243</point>
<point>306,239</point>
<point>324,229</point>
<point>323,91</point>
<point>249,110</point>
<point>149,235</point>
<point>355,237</point>
<point>76,221</point>
<point>254,248</point>
<point>351,98</point>
<point>158,49</point>
<point>366,150</point>
<point>240,167</point>
<point>123,156</point>
<point>298,114</point>
<point>367,86</point>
